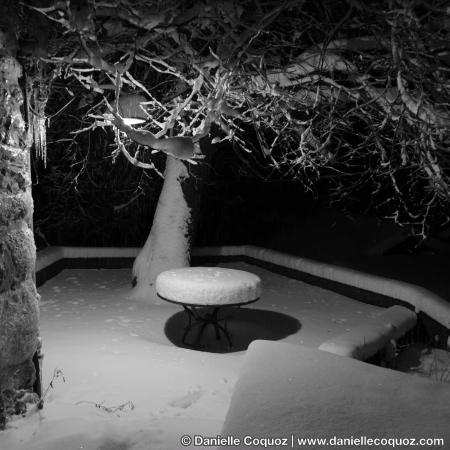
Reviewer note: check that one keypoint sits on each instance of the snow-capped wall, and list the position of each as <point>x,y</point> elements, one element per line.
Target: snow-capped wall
<point>370,336</point>
<point>51,255</point>
<point>420,298</point>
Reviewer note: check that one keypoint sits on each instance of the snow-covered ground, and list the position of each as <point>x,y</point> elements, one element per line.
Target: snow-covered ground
<point>113,350</point>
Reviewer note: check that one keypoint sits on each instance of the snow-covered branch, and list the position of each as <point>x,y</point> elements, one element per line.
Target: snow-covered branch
<point>359,95</point>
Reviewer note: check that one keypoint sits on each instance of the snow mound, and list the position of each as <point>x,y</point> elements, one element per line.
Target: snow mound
<point>369,337</point>
<point>208,286</point>
<point>289,390</point>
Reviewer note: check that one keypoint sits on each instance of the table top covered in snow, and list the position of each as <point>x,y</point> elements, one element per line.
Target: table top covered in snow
<point>208,286</point>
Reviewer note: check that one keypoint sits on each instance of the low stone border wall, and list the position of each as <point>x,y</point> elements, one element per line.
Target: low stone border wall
<point>373,335</point>
<point>52,260</point>
<point>433,311</point>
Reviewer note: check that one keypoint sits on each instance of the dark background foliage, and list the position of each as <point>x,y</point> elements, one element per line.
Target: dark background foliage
<point>84,196</point>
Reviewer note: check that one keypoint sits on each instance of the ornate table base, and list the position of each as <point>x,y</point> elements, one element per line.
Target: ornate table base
<point>197,319</point>
<point>204,292</point>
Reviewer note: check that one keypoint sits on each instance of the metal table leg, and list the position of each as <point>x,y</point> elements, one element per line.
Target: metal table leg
<point>195,319</point>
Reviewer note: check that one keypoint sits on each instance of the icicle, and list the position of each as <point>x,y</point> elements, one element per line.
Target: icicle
<point>39,130</point>
<point>38,100</point>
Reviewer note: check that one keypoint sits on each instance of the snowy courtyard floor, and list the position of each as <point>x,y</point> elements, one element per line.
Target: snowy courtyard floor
<point>112,351</point>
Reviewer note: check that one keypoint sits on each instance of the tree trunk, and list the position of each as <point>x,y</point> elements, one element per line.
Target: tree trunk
<point>18,296</point>
<point>168,245</point>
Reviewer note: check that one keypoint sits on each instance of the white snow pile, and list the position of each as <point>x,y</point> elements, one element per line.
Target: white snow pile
<point>208,286</point>
<point>289,390</point>
<point>366,339</point>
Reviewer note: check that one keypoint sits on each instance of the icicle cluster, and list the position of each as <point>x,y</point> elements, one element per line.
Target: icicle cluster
<point>39,130</point>
<point>37,101</point>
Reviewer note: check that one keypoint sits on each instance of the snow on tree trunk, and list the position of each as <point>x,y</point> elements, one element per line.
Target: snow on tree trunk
<point>18,297</point>
<point>168,244</point>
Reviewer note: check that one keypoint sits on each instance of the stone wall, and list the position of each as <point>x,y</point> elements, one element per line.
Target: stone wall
<point>19,313</point>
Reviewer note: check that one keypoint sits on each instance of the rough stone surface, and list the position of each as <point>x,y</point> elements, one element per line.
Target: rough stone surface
<point>14,398</point>
<point>19,316</point>
<point>25,375</point>
<point>14,177</point>
<point>17,257</point>
<point>13,208</point>
<point>19,313</point>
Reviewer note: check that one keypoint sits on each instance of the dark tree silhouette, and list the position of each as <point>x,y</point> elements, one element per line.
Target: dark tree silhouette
<point>358,93</point>
<point>361,91</point>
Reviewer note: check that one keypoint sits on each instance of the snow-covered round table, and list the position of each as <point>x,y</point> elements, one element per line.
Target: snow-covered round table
<point>204,291</point>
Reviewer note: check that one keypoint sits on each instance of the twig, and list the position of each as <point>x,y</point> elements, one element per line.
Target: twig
<point>110,409</point>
